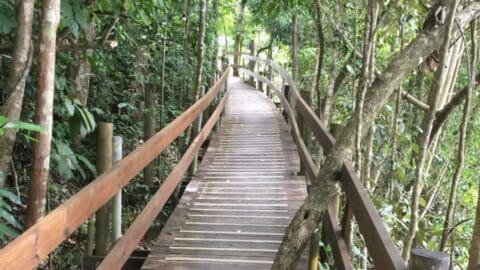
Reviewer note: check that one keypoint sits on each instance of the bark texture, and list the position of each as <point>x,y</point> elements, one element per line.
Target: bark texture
<point>324,187</point>
<point>21,62</point>
<point>294,47</point>
<point>45,90</point>
<point>149,127</point>
<point>427,124</point>
<point>452,200</point>
<point>238,38</point>
<point>320,56</point>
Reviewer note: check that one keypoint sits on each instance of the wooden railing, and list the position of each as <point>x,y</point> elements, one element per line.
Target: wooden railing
<point>377,239</point>
<point>31,247</point>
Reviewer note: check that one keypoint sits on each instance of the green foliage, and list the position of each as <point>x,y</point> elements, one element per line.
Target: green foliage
<point>10,226</point>
<point>74,16</point>
<point>5,124</point>
<point>7,16</point>
<point>67,162</point>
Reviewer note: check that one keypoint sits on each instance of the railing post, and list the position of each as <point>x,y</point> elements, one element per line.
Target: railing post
<point>424,259</point>
<point>117,154</point>
<point>286,93</point>
<point>243,64</point>
<point>223,90</point>
<point>252,62</point>
<point>104,163</point>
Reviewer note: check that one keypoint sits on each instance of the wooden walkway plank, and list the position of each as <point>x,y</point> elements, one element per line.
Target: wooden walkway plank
<point>234,212</point>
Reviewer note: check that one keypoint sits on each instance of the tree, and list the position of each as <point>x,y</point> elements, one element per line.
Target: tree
<point>238,37</point>
<point>427,124</point>
<point>22,60</point>
<point>50,17</point>
<point>324,187</point>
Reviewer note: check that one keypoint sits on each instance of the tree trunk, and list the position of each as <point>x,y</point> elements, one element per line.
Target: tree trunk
<point>321,53</point>
<point>45,90</point>
<point>270,70</point>
<point>461,146</point>
<point>196,126</point>
<point>186,58</point>
<point>251,63</point>
<point>214,61</point>
<point>104,163</point>
<point>238,38</point>
<point>149,128</point>
<point>327,102</point>
<point>21,62</point>
<point>294,48</point>
<point>367,70</point>
<point>427,124</point>
<point>324,187</point>
<point>474,251</point>
<point>83,67</point>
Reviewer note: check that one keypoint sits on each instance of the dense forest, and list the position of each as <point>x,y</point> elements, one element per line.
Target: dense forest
<point>396,82</point>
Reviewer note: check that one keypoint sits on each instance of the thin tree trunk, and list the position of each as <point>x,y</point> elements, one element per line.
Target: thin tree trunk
<point>425,136</point>
<point>201,49</point>
<point>367,70</point>
<point>461,147</point>
<point>323,189</point>
<point>104,163</point>
<point>83,67</point>
<point>186,59</point>
<point>149,128</point>
<point>294,47</point>
<point>238,38</point>
<point>321,53</point>
<point>328,100</point>
<point>196,126</point>
<point>20,67</point>
<point>270,70</point>
<point>474,251</point>
<point>398,101</point>
<point>214,60</point>
<point>45,91</point>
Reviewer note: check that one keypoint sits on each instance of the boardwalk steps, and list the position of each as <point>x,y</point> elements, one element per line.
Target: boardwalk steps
<point>234,212</point>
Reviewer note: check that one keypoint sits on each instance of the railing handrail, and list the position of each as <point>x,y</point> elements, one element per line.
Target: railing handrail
<point>120,252</point>
<point>32,246</point>
<point>379,242</point>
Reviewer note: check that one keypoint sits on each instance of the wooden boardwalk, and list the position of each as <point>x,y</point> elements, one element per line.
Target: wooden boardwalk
<point>234,212</point>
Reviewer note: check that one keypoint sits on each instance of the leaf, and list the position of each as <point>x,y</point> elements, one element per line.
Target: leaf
<point>7,17</point>
<point>64,169</point>
<point>81,16</point>
<point>415,148</point>
<point>3,120</point>
<point>63,149</point>
<point>4,204</point>
<point>9,218</point>
<point>25,126</point>
<point>87,164</point>
<point>350,69</point>
<point>68,18</point>
<point>5,230</point>
<point>70,106</point>
<point>10,195</point>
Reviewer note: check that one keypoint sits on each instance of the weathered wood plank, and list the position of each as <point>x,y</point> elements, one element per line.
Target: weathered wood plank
<point>234,212</point>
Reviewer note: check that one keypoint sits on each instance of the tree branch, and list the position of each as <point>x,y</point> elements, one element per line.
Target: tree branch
<point>442,115</point>
<point>410,98</point>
